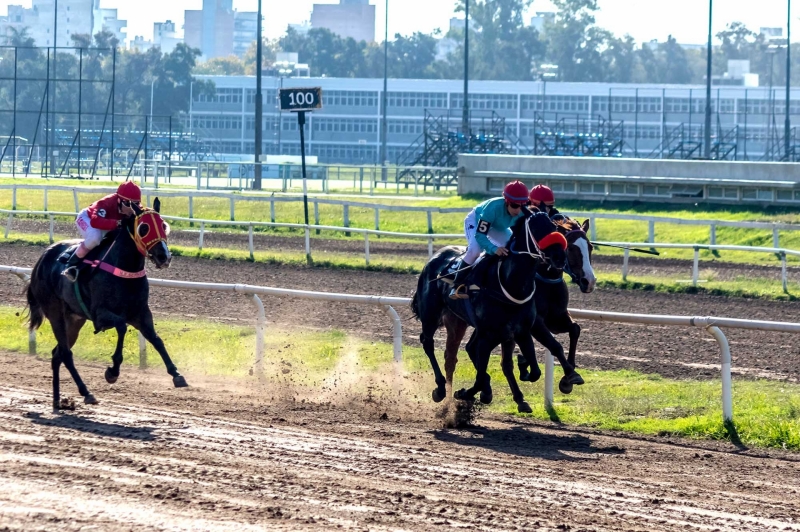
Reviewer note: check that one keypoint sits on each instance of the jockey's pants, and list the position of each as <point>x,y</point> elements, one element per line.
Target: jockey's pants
<point>91,236</point>
<point>474,250</point>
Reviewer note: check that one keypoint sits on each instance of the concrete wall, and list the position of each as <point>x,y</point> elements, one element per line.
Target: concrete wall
<point>474,170</point>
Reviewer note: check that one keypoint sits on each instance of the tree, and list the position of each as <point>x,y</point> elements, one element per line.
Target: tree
<point>621,59</point>
<point>676,67</point>
<point>222,66</point>
<point>571,44</point>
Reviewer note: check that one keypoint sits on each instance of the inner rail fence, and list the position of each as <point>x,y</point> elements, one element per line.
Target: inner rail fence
<point>346,205</point>
<point>712,325</point>
<point>430,238</point>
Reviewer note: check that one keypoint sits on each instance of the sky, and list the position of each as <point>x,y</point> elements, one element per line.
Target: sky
<point>686,20</point>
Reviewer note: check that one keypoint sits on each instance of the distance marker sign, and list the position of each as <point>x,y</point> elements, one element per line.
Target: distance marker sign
<point>301,99</point>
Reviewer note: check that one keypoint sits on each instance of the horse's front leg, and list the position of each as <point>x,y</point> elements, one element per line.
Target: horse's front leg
<point>545,337</point>
<point>148,330</point>
<point>507,363</point>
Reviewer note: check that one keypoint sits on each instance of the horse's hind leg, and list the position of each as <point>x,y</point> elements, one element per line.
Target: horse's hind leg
<point>479,350</point>
<point>62,354</point>
<point>456,329</point>
<point>74,325</point>
<point>148,330</point>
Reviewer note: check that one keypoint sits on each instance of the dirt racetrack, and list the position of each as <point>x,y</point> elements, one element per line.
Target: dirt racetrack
<point>669,351</point>
<point>222,456</point>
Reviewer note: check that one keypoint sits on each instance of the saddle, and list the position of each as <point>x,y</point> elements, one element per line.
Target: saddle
<point>475,275</point>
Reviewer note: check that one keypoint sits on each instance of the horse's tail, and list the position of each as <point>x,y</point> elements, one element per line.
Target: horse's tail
<point>415,304</point>
<point>35,314</point>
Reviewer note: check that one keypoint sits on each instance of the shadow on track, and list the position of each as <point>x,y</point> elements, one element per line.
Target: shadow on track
<point>521,441</point>
<point>82,424</point>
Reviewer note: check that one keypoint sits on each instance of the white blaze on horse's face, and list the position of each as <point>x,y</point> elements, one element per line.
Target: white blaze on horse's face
<point>588,272</point>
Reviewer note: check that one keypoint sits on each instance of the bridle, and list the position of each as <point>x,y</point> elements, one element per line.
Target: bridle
<point>567,268</point>
<point>144,248</point>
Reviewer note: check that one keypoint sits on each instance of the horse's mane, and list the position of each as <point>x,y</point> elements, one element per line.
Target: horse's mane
<point>565,225</point>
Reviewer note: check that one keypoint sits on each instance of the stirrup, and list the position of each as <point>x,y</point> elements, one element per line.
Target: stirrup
<point>71,274</point>
<point>459,292</point>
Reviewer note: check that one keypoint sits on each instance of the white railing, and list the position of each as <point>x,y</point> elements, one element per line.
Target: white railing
<point>774,227</point>
<point>712,325</point>
<point>429,237</point>
<point>261,320</point>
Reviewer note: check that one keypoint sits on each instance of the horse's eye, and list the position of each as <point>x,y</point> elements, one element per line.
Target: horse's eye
<point>143,230</point>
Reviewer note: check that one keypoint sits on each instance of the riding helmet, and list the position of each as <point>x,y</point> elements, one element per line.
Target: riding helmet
<point>542,194</point>
<point>129,191</point>
<point>516,191</point>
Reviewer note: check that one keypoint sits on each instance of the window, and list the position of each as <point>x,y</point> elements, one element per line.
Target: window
<point>592,188</point>
<point>421,100</point>
<point>350,98</point>
<point>345,125</point>
<point>563,187</point>
<point>485,101</point>
<point>758,194</point>
<point>623,189</point>
<point>723,193</point>
<point>217,122</point>
<point>404,127</point>
<point>655,190</point>
<point>222,96</point>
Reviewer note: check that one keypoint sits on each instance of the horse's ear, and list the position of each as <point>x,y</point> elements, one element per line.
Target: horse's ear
<point>157,205</point>
<point>585,226</point>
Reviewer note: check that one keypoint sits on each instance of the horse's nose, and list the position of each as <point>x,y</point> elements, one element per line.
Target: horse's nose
<point>586,286</point>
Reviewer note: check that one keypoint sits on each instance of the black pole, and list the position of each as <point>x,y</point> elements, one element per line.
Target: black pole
<point>465,117</point>
<point>301,124</point>
<point>787,124</point>
<point>55,64</point>
<point>80,102</point>
<point>14,128</point>
<point>259,106</point>
<point>707,132</point>
<point>113,98</point>
<point>384,125</point>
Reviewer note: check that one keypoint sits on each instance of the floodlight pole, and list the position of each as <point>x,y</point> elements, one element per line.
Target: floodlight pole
<point>465,117</point>
<point>384,126</point>
<point>259,105</point>
<point>707,132</point>
<point>787,124</point>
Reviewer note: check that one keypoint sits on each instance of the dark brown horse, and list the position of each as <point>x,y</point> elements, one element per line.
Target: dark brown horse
<point>112,293</point>
<point>552,297</point>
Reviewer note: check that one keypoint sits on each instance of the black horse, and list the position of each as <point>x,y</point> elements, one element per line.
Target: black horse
<point>552,298</point>
<point>500,306</point>
<point>111,291</point>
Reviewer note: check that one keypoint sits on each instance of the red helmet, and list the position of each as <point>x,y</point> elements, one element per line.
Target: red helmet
<point>515,191</point>
<point>542,194</point>
<point>129,191</point>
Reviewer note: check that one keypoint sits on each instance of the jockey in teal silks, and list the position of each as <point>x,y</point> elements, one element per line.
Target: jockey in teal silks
<point>487,228</point>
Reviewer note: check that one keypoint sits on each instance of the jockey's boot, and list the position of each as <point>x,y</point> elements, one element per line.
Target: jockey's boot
<point>74,265</point>
<point>459,290</point>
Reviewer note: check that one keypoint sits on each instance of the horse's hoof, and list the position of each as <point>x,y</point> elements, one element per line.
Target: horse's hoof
<point>486,397</point>
<point>110,377</point>
<point>179,382</point>
<point>536,375</point>
<point>524,375</point>
<point>524,408</point>
<point>461,395</point>
<point>567,381</point>
<point>438,395</point>
<point>90,399</point>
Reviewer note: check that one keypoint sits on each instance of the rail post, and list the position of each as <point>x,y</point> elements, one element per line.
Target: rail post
<point>696,266</point>
<point>377,219</point>
<point>346,215</point>
<point>725,368</point>
<point>625,264</point>
<point>651,231</point>
<point>45,199</point>
<point>592,228</point>
<point>272,210</point>
<point>261,326</point>
<point>316,214</point>
<point>14,197</point>
<point>430,221</point>
<point>250,242</point>
<point>776,239</point>
<point>191,210</point>
<point>202,233</point>
<point>713,234</point>
<point>430,247</point>
<point>8,226</point>
<point>52,223</point>
<point>549,369</point>
<point>784,280</point>
<point>142,352</point>
<point>397,333</point>
<point>232,213</point>
<point>308,244</point>
<point>366,248</point>
<point>75,200</point>
<point>32,342</point>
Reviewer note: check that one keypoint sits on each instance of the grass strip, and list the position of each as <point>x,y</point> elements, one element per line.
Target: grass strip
<point>766,413</point>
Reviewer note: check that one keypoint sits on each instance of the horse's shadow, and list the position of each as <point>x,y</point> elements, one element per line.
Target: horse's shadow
<point>526,442</point>
<point>82,424</point>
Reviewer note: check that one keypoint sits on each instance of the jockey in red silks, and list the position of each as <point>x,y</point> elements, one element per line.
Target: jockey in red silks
<point>99,218</point>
